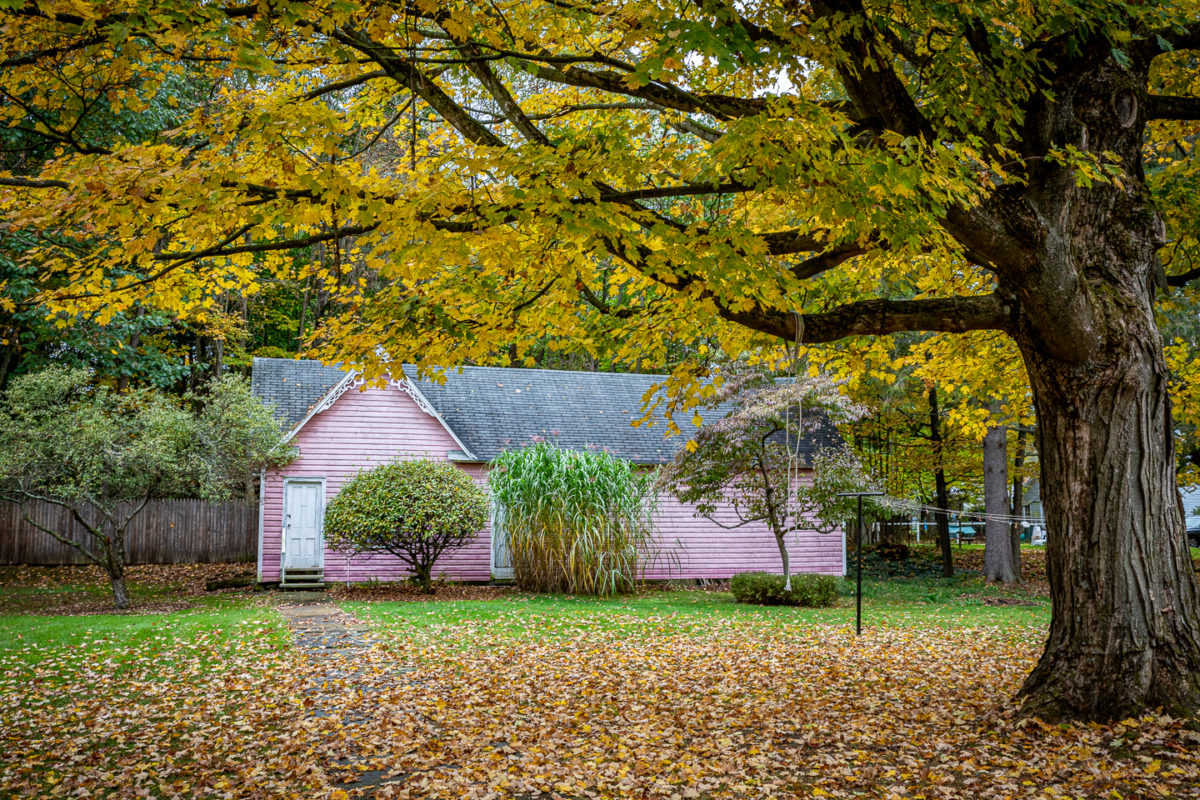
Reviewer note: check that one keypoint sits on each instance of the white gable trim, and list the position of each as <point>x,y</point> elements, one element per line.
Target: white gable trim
<point>353,381</point>
<point>331,397</point>
<point>410,388</point>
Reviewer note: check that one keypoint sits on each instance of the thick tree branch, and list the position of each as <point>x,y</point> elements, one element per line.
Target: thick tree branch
<point>872,84</point>
<point>1160,106</point>
<point>823,262</point>
<point>49,52</point>
<point>496,88</point>
<point>31,183</point>
<point>20,497</point>
<point>337,86</point>
<point>1183,278</point>
<point>406,74</point>
<point>880,317</point>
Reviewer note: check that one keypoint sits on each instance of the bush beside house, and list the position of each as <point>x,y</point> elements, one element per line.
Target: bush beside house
<point>415,510</point>
<point>766,589</point>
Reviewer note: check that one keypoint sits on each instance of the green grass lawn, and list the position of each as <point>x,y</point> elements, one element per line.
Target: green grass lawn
<point>669,692</point>
<point>964,602</point>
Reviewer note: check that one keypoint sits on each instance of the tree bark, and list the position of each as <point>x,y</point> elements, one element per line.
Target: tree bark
<point>1125,627</point>
<point>941,491</point>
<point>1018,506</point>
<point>998,563</point>
<point>787,568</point>
<point>120,593</point>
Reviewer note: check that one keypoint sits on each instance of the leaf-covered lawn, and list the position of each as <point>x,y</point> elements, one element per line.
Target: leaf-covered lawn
<point>191,704</point>
<point>643,698</point>
<point>671,693</point>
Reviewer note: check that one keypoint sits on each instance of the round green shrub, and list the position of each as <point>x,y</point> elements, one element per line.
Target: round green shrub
<point>766,589</point>
<point>415,510</point>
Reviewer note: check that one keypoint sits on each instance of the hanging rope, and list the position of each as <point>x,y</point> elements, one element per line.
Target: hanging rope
<point>794,466</point>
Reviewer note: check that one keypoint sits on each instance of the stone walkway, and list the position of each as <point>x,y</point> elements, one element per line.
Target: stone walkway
<point>336,645</point>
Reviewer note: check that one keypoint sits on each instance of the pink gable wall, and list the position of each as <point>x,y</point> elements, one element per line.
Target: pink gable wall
<point>366,428</point>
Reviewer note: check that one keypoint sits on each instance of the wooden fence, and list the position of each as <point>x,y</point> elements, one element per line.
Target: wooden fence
<point>165,532</point>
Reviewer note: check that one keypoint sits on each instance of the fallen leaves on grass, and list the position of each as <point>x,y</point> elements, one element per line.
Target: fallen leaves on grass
<point>742,709</point>
<point>71,590</point>
<point>215,714</point>
<point>183,578</point>
<point>670,706</point>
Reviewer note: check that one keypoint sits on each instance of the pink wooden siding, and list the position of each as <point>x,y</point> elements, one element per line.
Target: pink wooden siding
<point>375,426</point>
<point>361,430</point>
<point>696,547</point>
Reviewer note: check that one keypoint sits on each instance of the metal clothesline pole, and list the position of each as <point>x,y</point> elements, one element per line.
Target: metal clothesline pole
<point>858,546</point>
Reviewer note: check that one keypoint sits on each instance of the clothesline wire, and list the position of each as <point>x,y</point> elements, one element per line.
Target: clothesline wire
<point>981,516</point>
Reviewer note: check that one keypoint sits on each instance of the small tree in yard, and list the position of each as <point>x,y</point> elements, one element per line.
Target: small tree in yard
<point>746,461</point>
<point>104,455</point>
<point>415,510</point>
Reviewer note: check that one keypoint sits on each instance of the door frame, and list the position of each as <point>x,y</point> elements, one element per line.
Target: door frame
<point>497,523</point>
<point>283,521</point>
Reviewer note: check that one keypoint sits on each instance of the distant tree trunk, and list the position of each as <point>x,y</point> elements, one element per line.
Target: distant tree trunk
<point>941,491</point>
<point>1018,500</point>
<point>787,567</point>
<point>135,341</point>
<point>218,362</point>
<point>303,314</point>
<point>997,549</point>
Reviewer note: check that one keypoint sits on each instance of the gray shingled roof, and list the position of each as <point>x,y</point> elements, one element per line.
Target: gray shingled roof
<point>292,386</point>
<point>492,409</point>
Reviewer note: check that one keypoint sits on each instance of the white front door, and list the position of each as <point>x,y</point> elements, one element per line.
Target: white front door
<point>303,513</point>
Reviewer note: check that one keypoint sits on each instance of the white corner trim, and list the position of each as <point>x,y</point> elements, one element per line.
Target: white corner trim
<point>410,388</point>
<point>845,557</point>
<point>262,516</point>
<point>344,385</point>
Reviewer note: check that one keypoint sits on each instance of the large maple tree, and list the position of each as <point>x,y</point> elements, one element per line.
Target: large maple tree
<point>741,172</point>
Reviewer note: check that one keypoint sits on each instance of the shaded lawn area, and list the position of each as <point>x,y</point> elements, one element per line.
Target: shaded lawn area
<point>85,589</point>
<point>666,694</point>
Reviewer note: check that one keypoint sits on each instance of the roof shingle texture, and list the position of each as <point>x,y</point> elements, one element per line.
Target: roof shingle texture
<point>493,409</point>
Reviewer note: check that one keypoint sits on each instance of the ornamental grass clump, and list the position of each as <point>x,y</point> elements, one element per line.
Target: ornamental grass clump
<point>577,522</point>
<point>414,510</point>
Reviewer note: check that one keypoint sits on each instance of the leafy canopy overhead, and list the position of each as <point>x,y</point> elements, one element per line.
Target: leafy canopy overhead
<point>675,166</point>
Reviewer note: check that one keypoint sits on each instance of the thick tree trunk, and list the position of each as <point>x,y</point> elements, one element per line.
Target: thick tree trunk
<point>1125,627</point>
<point>941,491</point>
<point>120,594</point>
<point>997,550</point>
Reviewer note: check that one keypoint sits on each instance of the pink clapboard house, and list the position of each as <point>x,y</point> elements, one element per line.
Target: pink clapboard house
<point>342,425</point>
